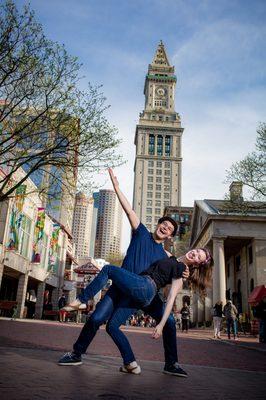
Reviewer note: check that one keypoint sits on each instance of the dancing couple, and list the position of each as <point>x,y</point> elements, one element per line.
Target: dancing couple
<point>146,268</point>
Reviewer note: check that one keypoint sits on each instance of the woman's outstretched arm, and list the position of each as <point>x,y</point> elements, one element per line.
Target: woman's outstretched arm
<point>175,288</point>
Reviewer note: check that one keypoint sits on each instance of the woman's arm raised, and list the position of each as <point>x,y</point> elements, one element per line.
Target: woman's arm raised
<point>132,216</point>
<point>175,288</point>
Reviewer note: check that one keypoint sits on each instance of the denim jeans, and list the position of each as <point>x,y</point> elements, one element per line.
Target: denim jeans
<point>139,288</point>
<point>116,308</point>
<point>231,322</point>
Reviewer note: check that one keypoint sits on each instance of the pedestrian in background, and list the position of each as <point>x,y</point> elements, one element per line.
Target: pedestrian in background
<point>231,313</point>
<point>61,303</point>
<point>185,314</point>
<point>217,319</point>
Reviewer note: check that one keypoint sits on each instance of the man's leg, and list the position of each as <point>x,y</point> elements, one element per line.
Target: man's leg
<point>156,310</point>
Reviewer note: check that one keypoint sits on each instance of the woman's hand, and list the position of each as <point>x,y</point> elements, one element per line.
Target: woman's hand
<point>157,331</point>
<point>113,178</point>
<point>185,274</point>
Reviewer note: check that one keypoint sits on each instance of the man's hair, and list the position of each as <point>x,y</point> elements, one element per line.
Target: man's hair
<point>172,221</point>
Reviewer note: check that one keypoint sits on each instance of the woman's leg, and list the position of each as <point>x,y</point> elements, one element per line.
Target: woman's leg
<point>133,285</point>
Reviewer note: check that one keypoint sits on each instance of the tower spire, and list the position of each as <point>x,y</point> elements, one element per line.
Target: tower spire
<point>160,58</point>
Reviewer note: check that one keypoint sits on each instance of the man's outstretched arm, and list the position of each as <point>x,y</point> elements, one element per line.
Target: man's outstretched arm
<point>132,216</point>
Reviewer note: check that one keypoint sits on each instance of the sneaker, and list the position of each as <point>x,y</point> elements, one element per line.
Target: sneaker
<point>132,368</point>
<point>70,359</point>
<point>174,369</point>
<point>75,306</point>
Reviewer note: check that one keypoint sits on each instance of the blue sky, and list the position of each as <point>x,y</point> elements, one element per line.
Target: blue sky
<point>219,52</point>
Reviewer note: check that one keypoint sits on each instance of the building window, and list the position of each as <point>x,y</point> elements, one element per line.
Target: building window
<point>148,219</point>
<point>158,171</point>
<point>149,195</point>
<point>168,145</point>
<point>150,163</point>
<point>150,178</point>
<point>150,186</point>
<point>238,263</point>
<point>167,195</point>
<point>157,211</point>
<point>167,164</point>
<point>158,187</point>
<point>167,172</point>
<point>157,195</point>
<point>149,202</point>
<point>151,144</point>
<point>158,179</point>
<point>150,171</point>
<point>157,203</point>
<point>251,285</point>
<point>159,145</point>
<point>166,203</point>
<point>159,164</point>
<point>166,187</point>
<point>250,255</point>
<point>167,180</point>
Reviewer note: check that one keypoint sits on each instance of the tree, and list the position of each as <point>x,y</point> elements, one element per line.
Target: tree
<point>51,128</point>
<point>251,171</point>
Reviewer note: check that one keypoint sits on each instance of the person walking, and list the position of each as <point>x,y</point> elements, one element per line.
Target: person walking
<point>62,303</point>
<point>230,312</point>
<point>217,319</point>
<point>185,315</point>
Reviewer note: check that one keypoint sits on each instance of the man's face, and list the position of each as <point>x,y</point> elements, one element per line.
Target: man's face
<point>164,230</point>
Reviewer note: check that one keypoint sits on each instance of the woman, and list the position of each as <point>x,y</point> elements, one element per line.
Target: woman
<point>217,319</point>
<point>142,288</point>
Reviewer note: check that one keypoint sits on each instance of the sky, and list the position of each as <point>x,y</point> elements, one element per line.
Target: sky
<point>219,53</point>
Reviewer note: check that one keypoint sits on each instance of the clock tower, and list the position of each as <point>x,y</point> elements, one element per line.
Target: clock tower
<point>157,170</point>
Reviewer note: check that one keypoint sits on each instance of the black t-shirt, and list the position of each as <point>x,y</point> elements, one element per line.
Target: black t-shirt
<point>164,270</point>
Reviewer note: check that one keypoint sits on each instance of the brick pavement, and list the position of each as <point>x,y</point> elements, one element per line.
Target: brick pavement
<point>29,352</point>
<point>196,348</point>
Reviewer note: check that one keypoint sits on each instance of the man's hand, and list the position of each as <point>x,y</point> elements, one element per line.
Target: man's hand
<point>185,274</point>
<point>157,332</point>
<point>113,178</point>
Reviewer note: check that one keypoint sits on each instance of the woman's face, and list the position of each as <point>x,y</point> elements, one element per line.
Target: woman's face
<point>196,256</point>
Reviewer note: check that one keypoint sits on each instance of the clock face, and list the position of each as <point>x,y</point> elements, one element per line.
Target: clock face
<point>160,91</point>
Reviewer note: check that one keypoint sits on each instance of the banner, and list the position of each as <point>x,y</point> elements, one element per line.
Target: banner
<point>53,251</point>
<point>38,235</point>
<point>16,218</point>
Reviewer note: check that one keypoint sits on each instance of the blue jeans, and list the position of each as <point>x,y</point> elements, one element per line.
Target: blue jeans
<point>231,322</point>
<point>140,288</point>
<point>116,309</point>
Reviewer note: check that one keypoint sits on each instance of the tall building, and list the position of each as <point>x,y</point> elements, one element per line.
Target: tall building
<point>157,181</point>
<point>82,224</point>
<point>109,222</point>
<point>94,222</point>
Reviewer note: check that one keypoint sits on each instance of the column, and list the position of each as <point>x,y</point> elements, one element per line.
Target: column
<point>21,294</point>
<point>208,305</point>
<point>1,273</point>
<point>219,283</point>
<point>39,302</point>
<point>55,297</point>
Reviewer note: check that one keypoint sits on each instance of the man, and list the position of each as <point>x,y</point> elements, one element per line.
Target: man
<point>144,249</point>
<point>231,313</point>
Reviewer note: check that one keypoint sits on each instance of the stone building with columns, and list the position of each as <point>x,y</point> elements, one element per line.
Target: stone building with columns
<point>36,254</point>
<point>235,232</point>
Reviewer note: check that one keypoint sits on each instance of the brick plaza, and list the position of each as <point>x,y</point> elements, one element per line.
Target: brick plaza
<point>217,369</point>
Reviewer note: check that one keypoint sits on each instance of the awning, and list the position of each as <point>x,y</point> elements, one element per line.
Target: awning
<point>257,294</point>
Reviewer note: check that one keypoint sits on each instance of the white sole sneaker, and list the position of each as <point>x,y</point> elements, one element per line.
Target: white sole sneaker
<point>130,370</point>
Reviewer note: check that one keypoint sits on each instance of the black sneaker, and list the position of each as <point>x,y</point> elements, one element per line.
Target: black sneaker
<point>174,369</point>
<point>70,359</point>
